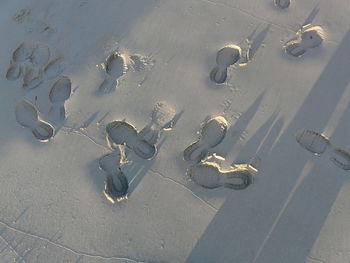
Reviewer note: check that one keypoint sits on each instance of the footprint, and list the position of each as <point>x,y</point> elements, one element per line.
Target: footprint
<point>308,37</point>
<point>139,62</point>
<point>27,116</point>
<point>115,67</point>
<point>317,144</point>
<point>14,71</point>
<point>122,133</point>
<point>212,133</point>
<point>225,57</point>
<point>282,3</point>
<point>35,76</point>
<point>312,141</point>
<point>40,56</point>
<point>31,60</point>
<point>32,78</point>
<point>20,56</point>
<point>33,73</point>
<point>59,93</point>
<point>54,68</point>
<point>116,185</point>
<point>24,51</point>
<point>209,174</point>
<point>344,161</point>
<point>162,119</point>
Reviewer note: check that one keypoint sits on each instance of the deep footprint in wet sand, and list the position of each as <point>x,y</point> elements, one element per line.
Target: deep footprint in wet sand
<point>209,174</point>
<point>162,119</point>
<point>312,141</point>
<point>225,57</point>
<point>116,184</point>
<point>123,133</point>
<point>115,67</point>
<point>309,37</point>
<point>211,134</point>
<point>282,3</point>
<point>27,116</point>
<point>59,93</point>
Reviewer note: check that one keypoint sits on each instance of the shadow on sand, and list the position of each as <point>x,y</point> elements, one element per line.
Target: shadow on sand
<point>279,219</point>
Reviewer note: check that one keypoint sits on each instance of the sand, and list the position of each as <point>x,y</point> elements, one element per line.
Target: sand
<point>116,61</point>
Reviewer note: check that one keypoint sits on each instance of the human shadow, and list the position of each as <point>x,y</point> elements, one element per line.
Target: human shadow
<point>250,147</point>
<point>257,41</point>
<point>139,168</point>
<point>306,208</point>
<point>252,225</point>
<point>236,130</point>
<point>312,15</point>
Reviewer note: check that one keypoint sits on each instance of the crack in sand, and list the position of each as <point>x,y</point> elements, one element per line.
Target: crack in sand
<point>184,187</point>
<point>56,244</point>
<point>8,245</point>
<point>70,131</point>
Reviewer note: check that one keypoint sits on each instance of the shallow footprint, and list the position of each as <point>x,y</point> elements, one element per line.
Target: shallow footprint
<point>162,119</point>
<point>24,51</point>
<point>342,160</point>
<point>140,62</point>
<point>163,115</point>
<point>59,93</point>
<point>54,68</point>
<point>40,56</point>
<point>282,3</point>
<point>14,71</point>
<point>21,55</point>
<point>312,141</point>
<point>27,116</point>
<point>32,78</point>
<point>212,133</point>
<point>115,67</point>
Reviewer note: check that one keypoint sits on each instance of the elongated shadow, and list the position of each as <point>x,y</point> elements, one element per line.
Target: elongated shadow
<point>312,15</point>
<point>251,225</point>
<point>307,209</point>
<point>237,129</point>
<point>258,40</point>
<point>139,169</point>
<point>251,146</point>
